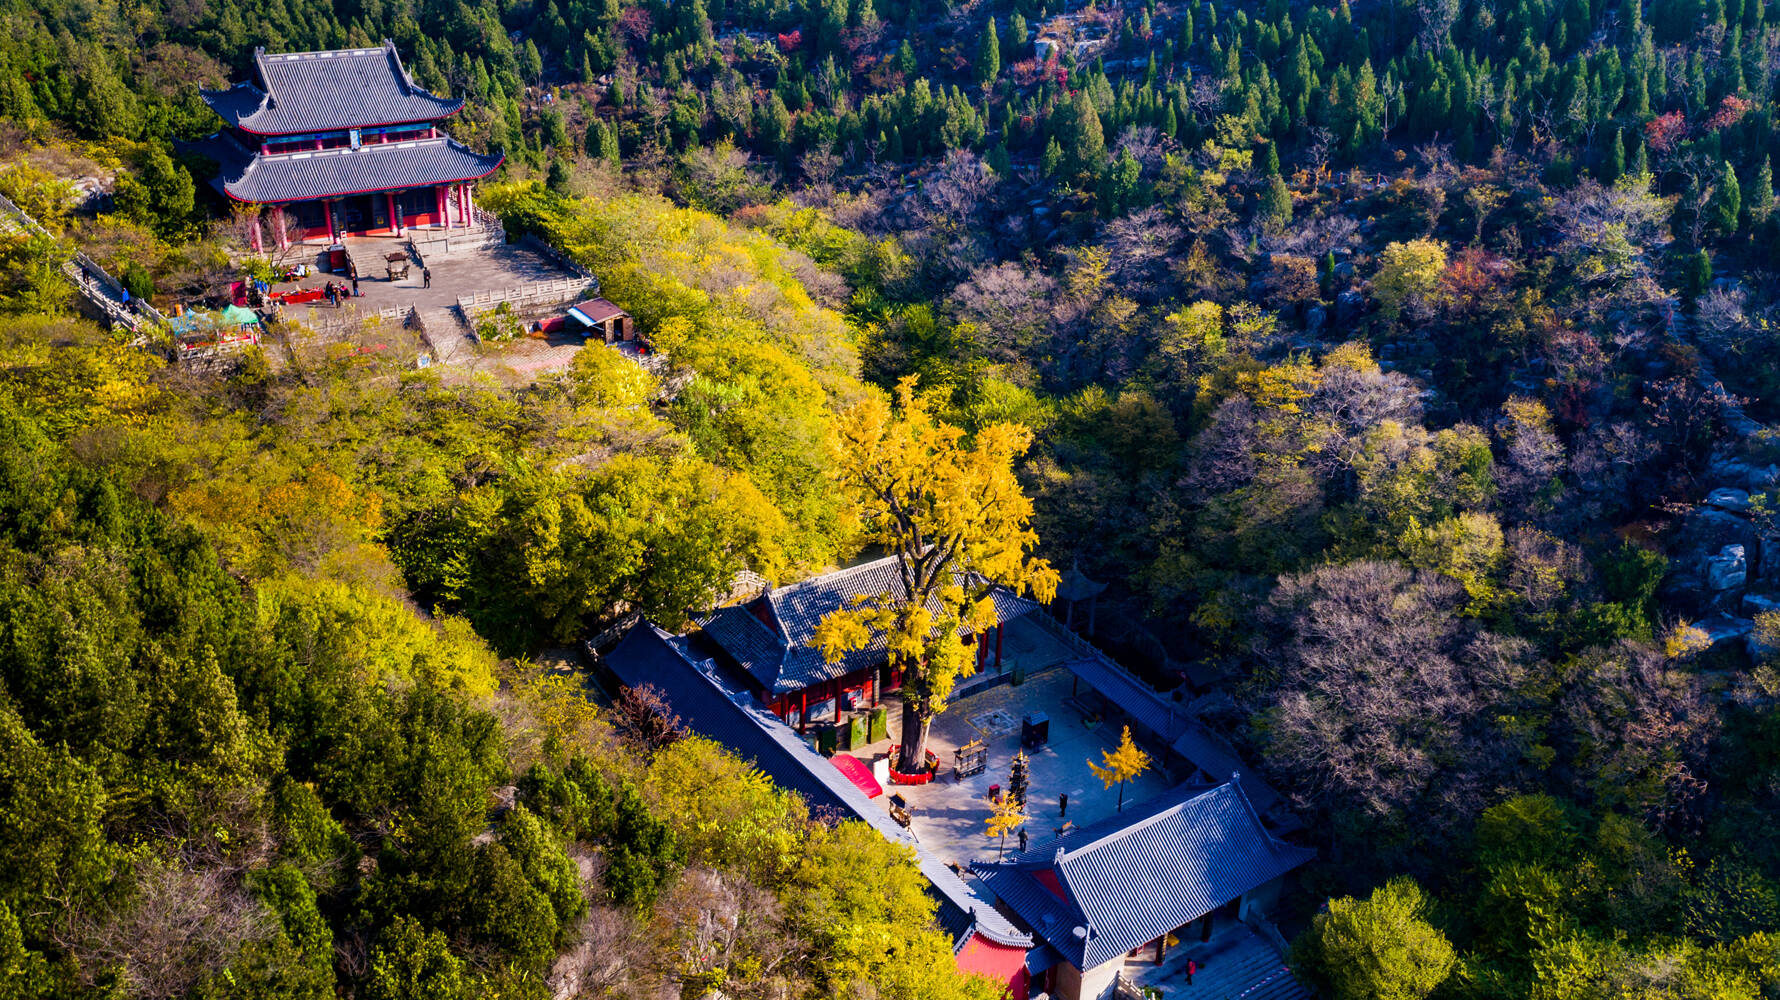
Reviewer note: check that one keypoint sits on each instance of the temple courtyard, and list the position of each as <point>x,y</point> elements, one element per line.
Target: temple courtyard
<point>462,273</point>
<point>949,816</point>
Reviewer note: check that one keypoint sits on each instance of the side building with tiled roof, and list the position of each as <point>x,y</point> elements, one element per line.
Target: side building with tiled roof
<point>983,940</point>
<point>341,143</point>
<point>1119,889</point>
<point>765,643</point>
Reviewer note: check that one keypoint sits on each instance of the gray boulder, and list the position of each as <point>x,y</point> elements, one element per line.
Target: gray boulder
<point>1727,570</point>
<point>1725,498</point>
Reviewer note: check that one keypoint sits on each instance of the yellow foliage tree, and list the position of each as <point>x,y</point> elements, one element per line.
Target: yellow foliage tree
<point>1005,817</point>
<point>956,519</point>
<point>1122,763</point>
<point>1407,272</point>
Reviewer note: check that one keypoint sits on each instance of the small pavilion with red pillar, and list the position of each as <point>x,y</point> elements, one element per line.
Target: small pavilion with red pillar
<point>765,643</point>
<point>325,145</point>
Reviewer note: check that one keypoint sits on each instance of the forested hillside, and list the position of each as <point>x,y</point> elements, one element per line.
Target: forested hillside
<point>1381,359</point>
<point>239,762</point>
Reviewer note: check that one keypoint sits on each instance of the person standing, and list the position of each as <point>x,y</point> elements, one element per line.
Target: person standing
<point>1192,967</point>
<point>426,277</point>
<point>1022,840</point>
<point>1063,805</point>
<point>355,281</point>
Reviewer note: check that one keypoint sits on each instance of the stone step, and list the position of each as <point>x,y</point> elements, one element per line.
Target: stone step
<point>1282,985</point>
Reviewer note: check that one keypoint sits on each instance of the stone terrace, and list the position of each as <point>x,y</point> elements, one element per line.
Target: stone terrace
<point>459,274</point>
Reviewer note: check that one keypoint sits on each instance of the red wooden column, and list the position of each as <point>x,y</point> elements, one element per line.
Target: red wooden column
<point>998,630</point>
<point>395,221</point>
<point>327,208</point>
<point>463,204</point>
<point>256,232</point>
<point>803,710</point>
<point>439,196</point>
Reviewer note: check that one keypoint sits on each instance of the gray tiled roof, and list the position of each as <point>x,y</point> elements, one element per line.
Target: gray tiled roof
<point>732,717</point>
<point>1132,878</point>
<point>326,91</point>
<point>783,660</point>
<point>1169,721</point>
<point>325,173</point>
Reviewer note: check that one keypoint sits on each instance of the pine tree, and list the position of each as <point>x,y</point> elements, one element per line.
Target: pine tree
<point>1727,202</point>
<point>609,144</point>
<point>1276,201</point>
<point>1085,141</point>
<point>1019,39</point>
<point>1614,168</point>
<point>1761,198</point>
<point>1696,274</point>
<point>530,62</point>
<point>1052,159</point>
<point>988,55</point>
<point>1272,161</point>
<point>905,58</point>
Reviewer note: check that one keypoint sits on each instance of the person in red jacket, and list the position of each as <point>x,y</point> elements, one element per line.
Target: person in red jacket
<point>1192,967</point>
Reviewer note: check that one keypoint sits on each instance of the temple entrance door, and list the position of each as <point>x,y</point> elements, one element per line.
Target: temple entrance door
<point>360,214</point>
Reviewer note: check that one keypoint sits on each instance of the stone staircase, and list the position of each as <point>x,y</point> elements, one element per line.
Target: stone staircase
<point>1237,964</point>
<point>100,290</point>
<point>485,230</point>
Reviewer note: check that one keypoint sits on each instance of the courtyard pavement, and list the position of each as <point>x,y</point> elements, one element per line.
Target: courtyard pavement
<point>949,816</point>
<point>459,274</point>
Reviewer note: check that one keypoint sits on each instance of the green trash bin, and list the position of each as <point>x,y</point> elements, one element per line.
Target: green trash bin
<point>856,732</point>
<point>880,724</point>
<point>826,737</point>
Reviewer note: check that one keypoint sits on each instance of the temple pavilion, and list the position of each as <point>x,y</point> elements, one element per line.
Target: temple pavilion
<point>768,644</point>
<point>345,144</point>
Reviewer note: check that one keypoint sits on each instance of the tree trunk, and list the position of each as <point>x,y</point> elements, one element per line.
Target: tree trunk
<point>913,757</point>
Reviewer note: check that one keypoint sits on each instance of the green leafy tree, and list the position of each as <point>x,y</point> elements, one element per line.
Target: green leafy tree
<point>161,196</point>
<point>1379,948</point>
<point>413,963</point>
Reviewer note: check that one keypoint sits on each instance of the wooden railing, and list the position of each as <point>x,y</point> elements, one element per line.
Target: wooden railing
<point>91,280</point>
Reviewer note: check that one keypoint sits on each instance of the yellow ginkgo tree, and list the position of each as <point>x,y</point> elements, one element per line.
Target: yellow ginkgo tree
<point>1122,763</point>
<point>951,511</point>
<point>1005,816</point>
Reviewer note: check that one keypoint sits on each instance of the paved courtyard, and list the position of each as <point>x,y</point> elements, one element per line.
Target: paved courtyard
<point>950,816</point>
<point>459,274</point>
